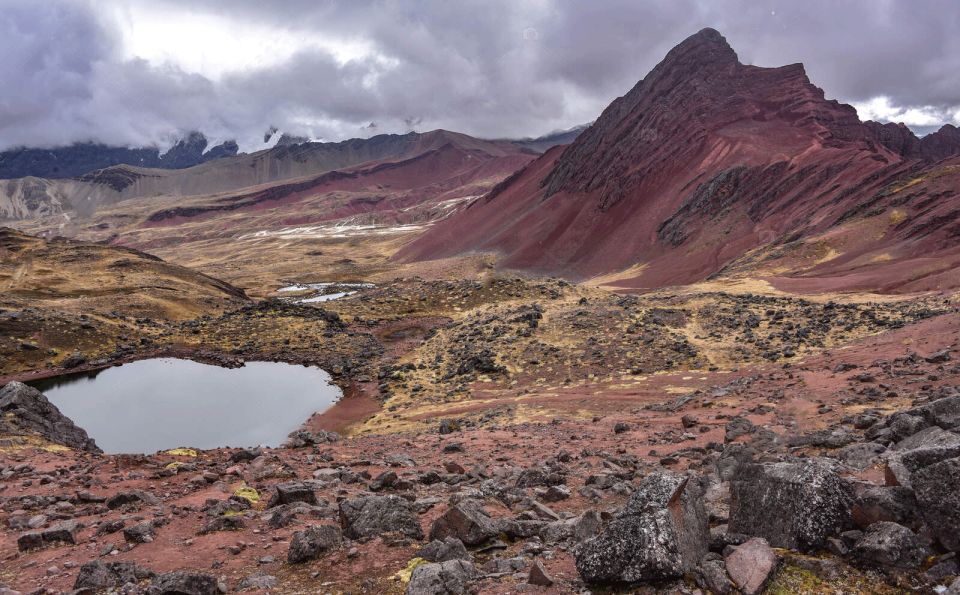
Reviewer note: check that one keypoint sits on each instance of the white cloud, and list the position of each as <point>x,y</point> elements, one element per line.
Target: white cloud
<point>137,71</point>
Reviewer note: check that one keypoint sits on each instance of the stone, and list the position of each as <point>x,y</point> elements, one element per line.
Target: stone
<point>954,588</point>
<point>620,427</point>
<point>661,533</point>
<point>132,498</point>
<point>467,521</point>
<point>184,582</point>
<point>139,533</point>
<point>444,578</point>
<point>793,505</point>
<point>539,576</point>
<point>313,542</point>
<point>449,548</point>
<point>59,534</point>
<point>885,503</point>
<point>105,575</point>
<point>25,410</point>
<point>937,489</point>
<point>712,575</point>
<point>751,565</point>
<point>290,492</point>
<point>890,545</point>
<point>370,516</point>
<point>258,582</point>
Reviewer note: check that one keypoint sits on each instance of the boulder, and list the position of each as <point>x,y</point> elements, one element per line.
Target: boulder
<point>467,521</point>
<point>59,534</point>
<point>370,516</point>
<point>890,545</point>
<point>134,497</point>
<point>751,565</point>
<point>290,492</point>
<point>184,582</point>
<point>25,410</point>
<point>937,488</point>
<point>444,578</point>
<point>885,503</point>
<point>449,548</point>
<point>661,533</point>
<point>794,505</point>
<point>98,575</point>
<point>313,542</point>
<point>539,575</point>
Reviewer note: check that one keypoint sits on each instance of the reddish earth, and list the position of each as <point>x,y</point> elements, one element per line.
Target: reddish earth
<point>707,160</point>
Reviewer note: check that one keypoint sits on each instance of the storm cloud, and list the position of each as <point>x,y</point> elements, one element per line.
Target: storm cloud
<point>134,72</point>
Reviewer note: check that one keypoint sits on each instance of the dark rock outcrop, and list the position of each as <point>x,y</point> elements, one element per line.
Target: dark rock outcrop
<point>26,411</point>
<point>370,516</point>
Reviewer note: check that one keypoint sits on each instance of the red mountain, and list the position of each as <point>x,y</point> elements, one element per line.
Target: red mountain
<point>708,165</point>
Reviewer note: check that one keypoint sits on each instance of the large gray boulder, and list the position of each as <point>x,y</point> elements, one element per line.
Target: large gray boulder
<point>467,521</point>
<point>661,533</point>
<point>26,411</point>
<point>937,488</point>
<point>793,505</point>
<point>370,516</point>
<point>444,578</point>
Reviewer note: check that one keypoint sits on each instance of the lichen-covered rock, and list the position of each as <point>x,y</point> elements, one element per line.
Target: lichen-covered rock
<point>794,505</point>
<point>106,575</point>
<point>467,521</point>
<point>25,410</point>
<point>370,516</point>
<point>937,488</point>
<point>661,533</point>
<point>449,548</point>
<point>890,545</point>
<point>445,578</point>
<point>312,542</point>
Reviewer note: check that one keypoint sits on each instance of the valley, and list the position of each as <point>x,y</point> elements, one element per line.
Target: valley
<point>720,321</point>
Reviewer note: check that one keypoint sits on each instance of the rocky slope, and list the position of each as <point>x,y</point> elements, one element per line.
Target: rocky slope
<point>707,159</point>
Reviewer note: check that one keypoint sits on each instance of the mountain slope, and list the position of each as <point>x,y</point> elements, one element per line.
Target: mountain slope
<point>703,161</point>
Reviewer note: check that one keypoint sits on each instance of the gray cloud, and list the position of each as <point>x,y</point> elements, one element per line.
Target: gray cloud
<point>491,68</point>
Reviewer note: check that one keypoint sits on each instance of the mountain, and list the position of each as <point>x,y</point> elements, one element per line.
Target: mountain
<point>709,166</point>
<point>541,144</point>
<point>288,160</point>
<point>81,158</point>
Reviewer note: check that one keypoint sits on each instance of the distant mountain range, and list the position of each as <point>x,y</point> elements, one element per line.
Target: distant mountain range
<point>81,158</point>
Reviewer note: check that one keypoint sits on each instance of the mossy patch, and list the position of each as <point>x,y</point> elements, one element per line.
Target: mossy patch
<point>248,493</point>
<point>181,452</point>
<point>405,574</point>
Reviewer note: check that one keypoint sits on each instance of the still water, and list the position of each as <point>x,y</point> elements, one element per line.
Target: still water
<point>163,403</point>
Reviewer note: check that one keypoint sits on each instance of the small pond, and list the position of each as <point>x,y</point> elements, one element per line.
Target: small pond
<point>157,404</point>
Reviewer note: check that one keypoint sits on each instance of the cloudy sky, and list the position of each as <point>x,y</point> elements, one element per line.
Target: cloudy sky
<point>136,72</point>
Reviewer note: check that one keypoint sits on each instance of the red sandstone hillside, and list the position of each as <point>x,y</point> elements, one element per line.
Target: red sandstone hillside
<point>708,165</point>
